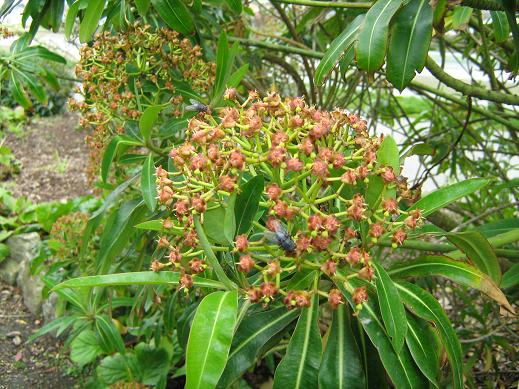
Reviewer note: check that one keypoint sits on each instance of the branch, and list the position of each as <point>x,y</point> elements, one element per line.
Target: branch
<point>290,70</point>
<point>467,89</point>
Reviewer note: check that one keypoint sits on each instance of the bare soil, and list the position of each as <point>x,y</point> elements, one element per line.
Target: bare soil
<point>53,156</point>
<point>24,365</point>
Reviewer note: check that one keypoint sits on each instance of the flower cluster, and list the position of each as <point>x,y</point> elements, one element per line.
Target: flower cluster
<point>5,33</point>
<point>327,199</point>
<point>123,73</point>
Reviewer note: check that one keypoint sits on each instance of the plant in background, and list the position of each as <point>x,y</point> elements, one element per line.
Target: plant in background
<point>133,76</point>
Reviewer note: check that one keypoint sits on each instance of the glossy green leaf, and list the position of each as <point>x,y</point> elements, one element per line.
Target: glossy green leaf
<point>459,272</point>
<point>237,76</point>
<point>372,40</point>
<point>421,342</point>
<point>511,277</point>
<point>71,17</point>
<point>33,84</point>
<point>410,39</point>
<point>299,368</point>
<point>461,17</point>
<point>427,307</point>
<point>446,195</point>
<point>142,6</point>
<point>342,365</point>
<point>18,92</point>
<point>117,368</point>
<point>387,155</point>
<point>135,278</point>
<point>224,66</point>
<point>111,151</point>
<point>479,251</point>
<point>175,14</point>
<point>251,336</point>
<point>89,23</point>
<point>400,367</point>
<point>148,185</point>
<point>391,307</point>
<point>247,203</point>
<point>148,119</point>
<point>110,339</point>
<point>213,225</point>
<point>337,49</point>
<point>501,27</point>
<point>235,6</point>
<point>153,225</point>
<point>85,348</point>
<point>116,235</point>
<point>210,339</point>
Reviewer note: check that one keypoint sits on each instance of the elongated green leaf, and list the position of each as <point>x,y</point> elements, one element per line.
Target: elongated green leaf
<point>251,336</point>
<point>148,186</point>
<point>71,18</point>
<point>229,222</point>
<point>337,49</point>
<point>400,367</point>
<point>461,17</point>
<point>391,308</point>
<point>135,278</point>
<point>60,323</point>
<point>456,271</point>
<point>511,277</point>
<point>421,343</point>
<point>148,119</point>
<point>210,339</point>
<point>111,151</point>
<point>388,155</point>
<point>39,52</point>
<point>342,365</point>
<point>410,38</point>
<point>224,66</point>
<point>110,338</point>
<point>372,39</point>
<point>501,27</point>
<point>479,251</point>
<point>299,368</point>
<point>18,92</point>
<point>89,23</point>
<point>247,203</point>
<point>235,6</point>
<point>446,195</point>
<point>142,6</point>
<point>33,84</point>
<point>427,307</point>
<point>116,235</point>
<point>175,14</point>
<point>153,225</point>
<point>238,75</point>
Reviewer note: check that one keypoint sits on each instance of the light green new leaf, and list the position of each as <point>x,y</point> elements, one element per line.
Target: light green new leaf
<point>410,38</point>
<point>175,14</point>
<point>427,307</point>
<point>478,250</point>
<point>501,27</point>
<point>210,339</point>
<point>391,307</point>
<point>253,333</point>
<point>135,278</point>
<point>337,49</point>
<point>148,119</point>
<point>299,368</point>
<point>89,23</point>
<point>446,195</point>
<point>85,348</point>
<point>372,39</point>
<point>423,346</point>
<point>461,17</point>
<point>459,272</point>
<point>342,365</point>
<point>148,185</point>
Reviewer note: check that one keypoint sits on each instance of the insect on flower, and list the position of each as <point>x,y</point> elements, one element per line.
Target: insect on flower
<point>281,237</point>
<point>197,106</point>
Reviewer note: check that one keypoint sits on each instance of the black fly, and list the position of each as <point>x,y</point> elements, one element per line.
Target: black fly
<point>197,106</point>
<point>281,237</point>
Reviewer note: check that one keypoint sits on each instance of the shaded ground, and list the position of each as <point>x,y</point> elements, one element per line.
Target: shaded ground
<point>53,156</point>
<point>39,364</point>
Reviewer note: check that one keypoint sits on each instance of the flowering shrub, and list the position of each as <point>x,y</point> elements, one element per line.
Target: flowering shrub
<point>326,197</point>
<point>125,73</point>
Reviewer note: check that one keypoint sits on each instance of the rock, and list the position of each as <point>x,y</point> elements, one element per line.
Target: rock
<point>31,287</point>
<point>12,334</point>
<point>17,341</point>
<point>48,309</point>
<point>23,247</point>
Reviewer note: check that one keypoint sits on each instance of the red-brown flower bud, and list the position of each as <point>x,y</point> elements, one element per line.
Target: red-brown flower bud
<point>335,298</point>
<point>242,243</point>
<point>246,264</point>
<point>273,191</point>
